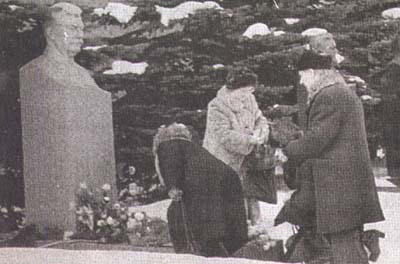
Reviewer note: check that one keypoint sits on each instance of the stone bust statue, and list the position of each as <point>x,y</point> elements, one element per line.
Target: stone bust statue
<point>67,128</point>
<point>64,30</point>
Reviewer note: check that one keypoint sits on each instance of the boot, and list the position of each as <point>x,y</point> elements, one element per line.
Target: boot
<point>370,239</point>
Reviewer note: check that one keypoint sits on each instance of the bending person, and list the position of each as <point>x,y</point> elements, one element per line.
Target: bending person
<point>208,206</point>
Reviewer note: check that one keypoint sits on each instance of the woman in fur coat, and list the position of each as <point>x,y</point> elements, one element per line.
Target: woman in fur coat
<point>235,125</point>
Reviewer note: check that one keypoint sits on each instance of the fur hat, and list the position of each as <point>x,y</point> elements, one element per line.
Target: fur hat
<point>240,77</point>
<point>173,131</point>
<point>313,60</point>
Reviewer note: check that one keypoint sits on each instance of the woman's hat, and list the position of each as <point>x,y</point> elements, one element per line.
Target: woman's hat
<point>240,77</point>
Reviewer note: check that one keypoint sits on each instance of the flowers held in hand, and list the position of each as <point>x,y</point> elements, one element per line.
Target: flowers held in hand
<point>259,233</point>
<point>175,194</point>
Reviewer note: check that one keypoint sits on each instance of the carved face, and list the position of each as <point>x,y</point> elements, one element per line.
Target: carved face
<point>66,30</point>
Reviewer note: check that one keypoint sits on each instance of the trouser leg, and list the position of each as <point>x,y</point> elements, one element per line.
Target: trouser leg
<point>347,247</point>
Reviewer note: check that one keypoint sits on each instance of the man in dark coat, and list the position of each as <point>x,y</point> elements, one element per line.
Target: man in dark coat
<point>336,192</point>
<point>211,212</point>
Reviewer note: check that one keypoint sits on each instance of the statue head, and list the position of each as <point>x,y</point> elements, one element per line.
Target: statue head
<point>324,44</point>
<point>63,29</point>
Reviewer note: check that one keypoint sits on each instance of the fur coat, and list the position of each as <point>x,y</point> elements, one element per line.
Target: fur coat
<point>233,115</point>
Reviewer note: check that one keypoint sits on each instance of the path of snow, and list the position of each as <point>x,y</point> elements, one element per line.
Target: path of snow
<point>184,10</point>
<point>123,13</point>
<point>60,256</point>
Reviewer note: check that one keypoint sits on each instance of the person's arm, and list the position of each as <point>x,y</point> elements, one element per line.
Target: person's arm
<point>262,125</point>
<point>328,110</point>
<point>232,140</point>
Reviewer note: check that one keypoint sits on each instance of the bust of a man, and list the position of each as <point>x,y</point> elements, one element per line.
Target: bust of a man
<point>66,124</point>
<point>63,30</point>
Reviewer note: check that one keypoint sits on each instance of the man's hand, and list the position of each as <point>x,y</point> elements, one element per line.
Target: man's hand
<point>175,194</point>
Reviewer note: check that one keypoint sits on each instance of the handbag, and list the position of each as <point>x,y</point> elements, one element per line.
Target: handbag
<point>259,182</point>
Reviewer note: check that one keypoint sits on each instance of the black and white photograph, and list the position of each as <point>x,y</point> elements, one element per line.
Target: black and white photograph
<point>199,132</point>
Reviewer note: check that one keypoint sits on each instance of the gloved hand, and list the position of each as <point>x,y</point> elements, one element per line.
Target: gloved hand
<point>175,194</point>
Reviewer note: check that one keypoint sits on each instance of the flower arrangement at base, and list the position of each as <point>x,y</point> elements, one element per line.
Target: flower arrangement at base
<point>97,218</point>
<point>147,231</point>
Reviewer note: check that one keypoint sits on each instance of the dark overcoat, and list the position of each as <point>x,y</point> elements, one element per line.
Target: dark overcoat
<point>212,193</point>
<point>336,151</point>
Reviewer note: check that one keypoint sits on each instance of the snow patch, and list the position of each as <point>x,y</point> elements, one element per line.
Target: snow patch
<point>184,10</point>
<point>314,32</point>
<point>218,66</point>
<point>366,97</point>
<point>392,13</point>
<point>123,67</point>
<point>14,7</point>
<point>94,48</point>
<point>259,29</point>
<point>291,20</point>
<point>123,13</point>
<point>279,33</point>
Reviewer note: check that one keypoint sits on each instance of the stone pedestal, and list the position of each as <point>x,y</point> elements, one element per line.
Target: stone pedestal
<point>67,139</point>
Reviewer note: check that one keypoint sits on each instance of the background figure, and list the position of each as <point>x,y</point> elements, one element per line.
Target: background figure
<point>235,124</point>
<point>208,205</point>
<point>336,193</point>
<point>390,90</point>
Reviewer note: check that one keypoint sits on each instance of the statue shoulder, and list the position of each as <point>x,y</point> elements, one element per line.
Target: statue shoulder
<point>35,66</point>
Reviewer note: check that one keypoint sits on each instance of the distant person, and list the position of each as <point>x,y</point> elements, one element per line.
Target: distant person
<point>207,211</point>
<point>235,125</point>
<point>390,90</point>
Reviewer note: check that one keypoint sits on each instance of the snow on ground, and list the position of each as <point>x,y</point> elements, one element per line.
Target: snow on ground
<point>390,254</point>
<point>60,256</point>
<point>390,202</point>
<point>314,32</point>
<point>123,13</point>
<point>259,29</point>
<point>123,67</point>
<point>184,10</point>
